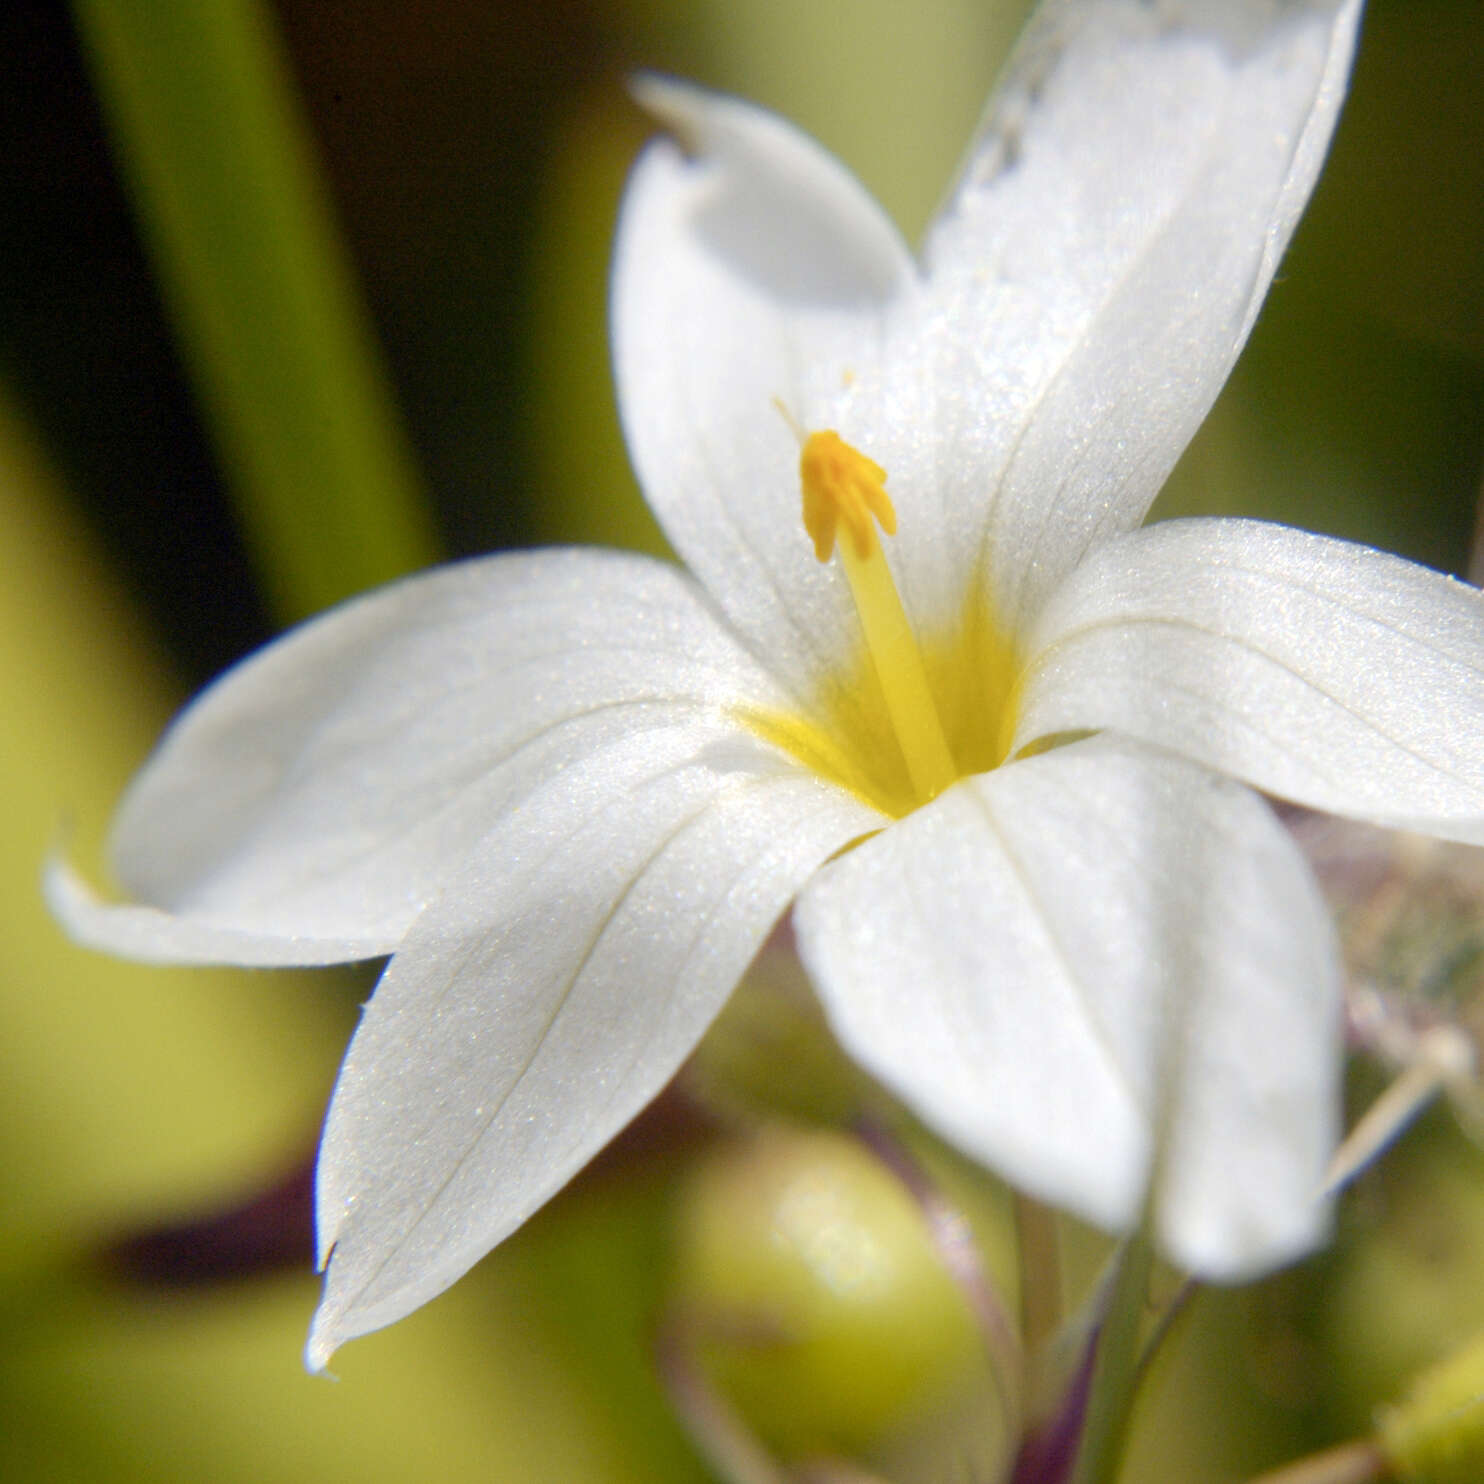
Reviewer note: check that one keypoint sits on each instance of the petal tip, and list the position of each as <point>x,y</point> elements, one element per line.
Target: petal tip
<point>327,1330</point>
<point>79,910</point>
<point>153,935</point>
<point>679,106</point>
<point>320,1347</point>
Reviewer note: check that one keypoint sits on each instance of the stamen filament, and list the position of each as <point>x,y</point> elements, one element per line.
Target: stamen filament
<point>899,668</point>
<point>845,491</point>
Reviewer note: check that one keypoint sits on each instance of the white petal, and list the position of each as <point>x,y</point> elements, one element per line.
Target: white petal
<point>755,270</point>
<point>326,787</point>
<point>546,997</point>
<point>155,937</point>
<point>1325,672</point>
<point>1056,961</point>
<point>1103,258</point>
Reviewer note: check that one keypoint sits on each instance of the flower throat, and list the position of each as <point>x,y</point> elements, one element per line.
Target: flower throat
<point>910,718</point>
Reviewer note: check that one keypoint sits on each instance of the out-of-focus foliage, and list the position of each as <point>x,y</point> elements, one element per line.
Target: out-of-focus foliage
<point>206,131</point>
<point>1435,1434</point>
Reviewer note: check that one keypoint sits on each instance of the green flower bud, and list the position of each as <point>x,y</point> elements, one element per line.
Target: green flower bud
<point>807,1281</point>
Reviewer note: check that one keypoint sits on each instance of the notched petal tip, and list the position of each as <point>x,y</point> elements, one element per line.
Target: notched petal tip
<point>327,1329</point>
<point>769,202</point>
<point>680,106</point>
<point>319,1350</point>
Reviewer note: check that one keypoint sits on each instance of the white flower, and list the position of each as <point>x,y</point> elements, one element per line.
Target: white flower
<point>572,791</point>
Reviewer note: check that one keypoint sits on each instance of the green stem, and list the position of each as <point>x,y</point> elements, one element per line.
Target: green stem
<point>952,1237</point>
<point>206,125</point>
<point>1115,1375</point>
<point>721,1436</point>
<point>1038,1242</point>
<point>1164,1326</point>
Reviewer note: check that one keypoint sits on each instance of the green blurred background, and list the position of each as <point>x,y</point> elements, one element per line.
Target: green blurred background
<point>390,306</point>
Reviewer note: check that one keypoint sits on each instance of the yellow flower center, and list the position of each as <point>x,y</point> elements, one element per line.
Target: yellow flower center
<point>843,488</point>
<point>908,717</point>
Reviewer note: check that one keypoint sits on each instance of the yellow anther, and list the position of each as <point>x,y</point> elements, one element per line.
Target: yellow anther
<point>845,492</point>
<point>843,487</point>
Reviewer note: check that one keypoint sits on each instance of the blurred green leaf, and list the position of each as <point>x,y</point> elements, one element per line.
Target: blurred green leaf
<point>209,136</point>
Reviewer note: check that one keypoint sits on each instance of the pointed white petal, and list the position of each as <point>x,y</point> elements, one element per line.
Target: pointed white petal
<point>326,787</point>
<point>1321,671</point>
<point>755,270</point>
<point>1091,964</point>
<point>1105,254</point>
<point>155,937</point>
<point>547,996</point>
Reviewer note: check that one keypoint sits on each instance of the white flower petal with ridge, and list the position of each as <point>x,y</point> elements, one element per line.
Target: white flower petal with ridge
<point>1097,967</point>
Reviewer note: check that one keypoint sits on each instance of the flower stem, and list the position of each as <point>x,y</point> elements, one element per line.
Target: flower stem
<point>1116,1371</point>
<point>716,1430</point>
<point>953,1241</point>
<point>1039,1244</point>
<point>1169,1317</point>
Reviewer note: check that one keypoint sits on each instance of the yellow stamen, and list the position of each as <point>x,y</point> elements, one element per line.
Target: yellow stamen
<point>845,493</point>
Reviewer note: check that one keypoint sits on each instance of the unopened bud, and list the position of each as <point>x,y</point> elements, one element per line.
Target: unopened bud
<point>813,1298</point>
